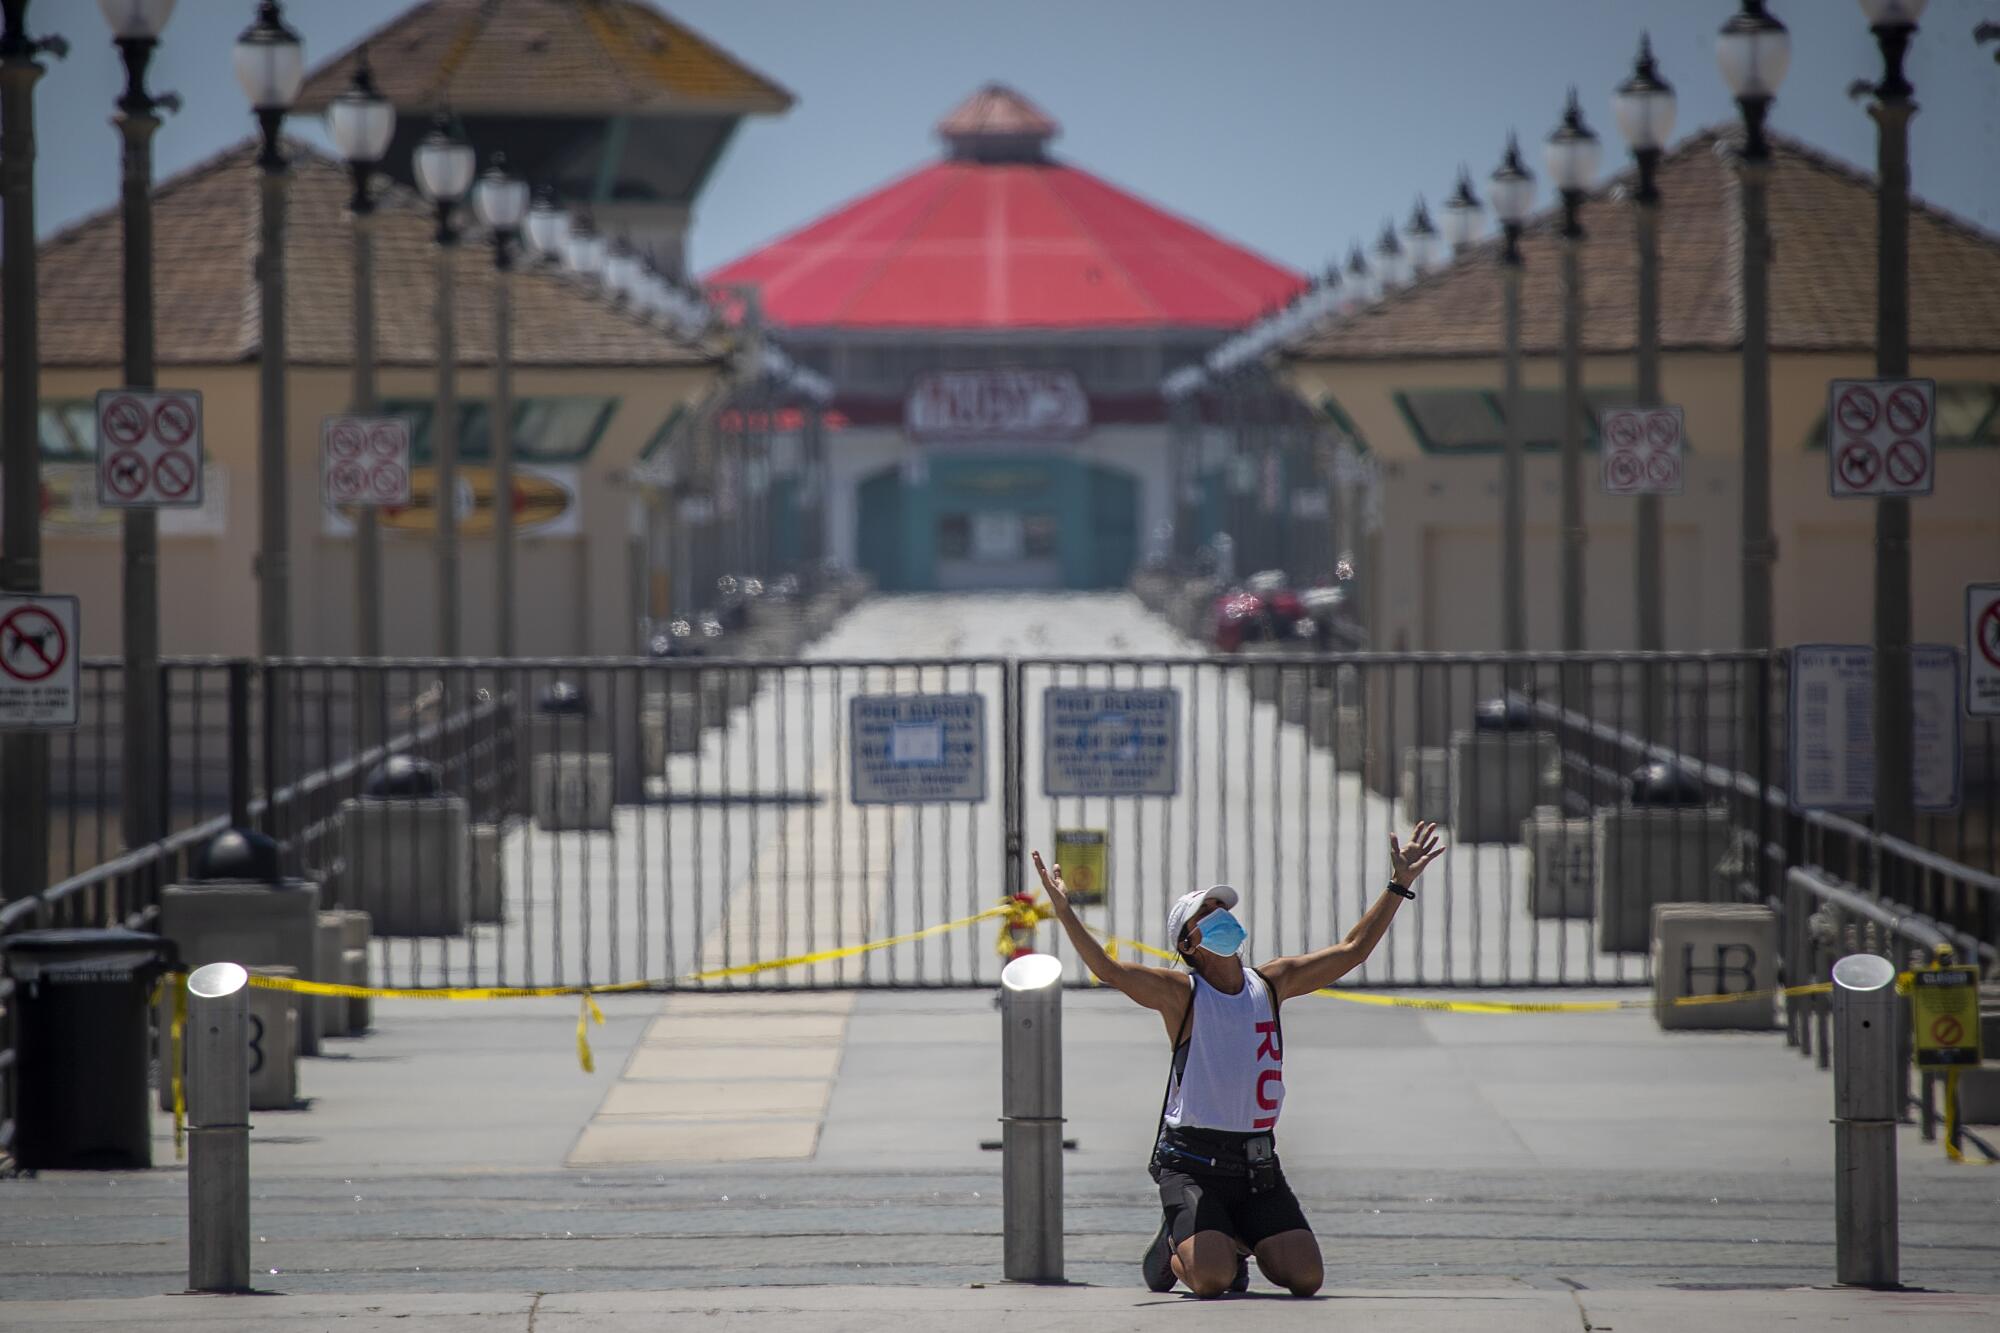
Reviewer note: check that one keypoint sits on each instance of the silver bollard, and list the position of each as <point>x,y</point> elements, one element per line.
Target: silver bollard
<point>1866,1020</point>
<point>1031,1118</point>
<point>218,1104</point>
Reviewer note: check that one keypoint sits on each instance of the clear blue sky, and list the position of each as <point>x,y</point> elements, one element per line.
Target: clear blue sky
<point>1294,126</point>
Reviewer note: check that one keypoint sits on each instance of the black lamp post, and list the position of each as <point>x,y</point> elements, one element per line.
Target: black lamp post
<point>1572,157</point>
<point>1513,189</point>
<point>444,166</point>
<point>362,122</point>
<point>501,202</point>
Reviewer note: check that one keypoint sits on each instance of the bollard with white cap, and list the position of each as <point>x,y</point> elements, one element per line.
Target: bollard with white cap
<point>1866,1021</point>
<point>218,1104</point>
<point>1031,1117</point>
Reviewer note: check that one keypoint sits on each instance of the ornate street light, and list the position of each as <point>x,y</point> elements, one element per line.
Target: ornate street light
<point>1894,23</point>
<point>135,28</point>
<point>548,226</point>
<point>1512,187</point>
<point>270,64</point>
<point>1753,51</point>
<point>1361,286</point>
<point>500,201</point>
<point>1644,105</point>
<point>621,273</point>
<point>1420,238</point>
<point>1572,156</point>
<point>1462,213</point>
<point>444,166</point>
<point>1390,262</point>
<point>584,251</point>
<point>362,122</point>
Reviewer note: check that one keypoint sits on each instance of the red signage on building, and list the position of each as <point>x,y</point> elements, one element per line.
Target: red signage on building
<point>997,404</point>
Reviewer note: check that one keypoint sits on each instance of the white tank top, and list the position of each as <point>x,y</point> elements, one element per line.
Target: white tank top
<point>1233,1077</point>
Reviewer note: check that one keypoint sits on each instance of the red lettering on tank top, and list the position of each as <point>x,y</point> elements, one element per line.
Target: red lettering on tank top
<point>1268,1045</point>
<point>1266,1101</point>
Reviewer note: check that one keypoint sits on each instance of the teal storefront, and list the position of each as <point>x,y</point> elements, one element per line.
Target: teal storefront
<point>1015,521</point>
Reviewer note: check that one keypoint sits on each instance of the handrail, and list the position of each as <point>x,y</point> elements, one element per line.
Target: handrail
<point>1912,926</point>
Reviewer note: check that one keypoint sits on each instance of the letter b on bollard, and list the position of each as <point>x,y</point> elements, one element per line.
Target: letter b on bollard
<point>1031,1117</point>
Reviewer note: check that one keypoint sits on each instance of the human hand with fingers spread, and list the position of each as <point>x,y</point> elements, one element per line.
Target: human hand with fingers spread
<point>1052,885</point>
<point>1407,860</point>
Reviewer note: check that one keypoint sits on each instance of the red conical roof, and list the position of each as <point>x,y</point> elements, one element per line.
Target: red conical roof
<point>998,237</point>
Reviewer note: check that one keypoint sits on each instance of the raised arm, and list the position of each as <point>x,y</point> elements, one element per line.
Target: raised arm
<point>1309,972</point>
<point>1158,988</point>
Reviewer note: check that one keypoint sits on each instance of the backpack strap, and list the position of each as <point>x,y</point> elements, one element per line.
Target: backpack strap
<point>1272,991</point>
<point>1177,1067</point>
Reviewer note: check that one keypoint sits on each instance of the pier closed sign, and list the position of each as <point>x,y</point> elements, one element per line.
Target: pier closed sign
<point>916,749</point>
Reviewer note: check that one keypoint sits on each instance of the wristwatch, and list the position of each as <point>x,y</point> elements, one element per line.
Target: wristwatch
<point>1398,889</point>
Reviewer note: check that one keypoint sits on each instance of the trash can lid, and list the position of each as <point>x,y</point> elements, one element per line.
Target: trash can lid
<point>1664,783</point>
<point>81,940</point>
<point>406,777</point>
<point>33,955</point>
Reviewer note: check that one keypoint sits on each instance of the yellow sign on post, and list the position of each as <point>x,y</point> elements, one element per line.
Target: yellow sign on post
<point>1082,853</point>
<point>1944,1010</point>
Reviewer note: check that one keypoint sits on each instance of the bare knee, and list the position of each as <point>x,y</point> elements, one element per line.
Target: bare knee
<point>1306,1284</point>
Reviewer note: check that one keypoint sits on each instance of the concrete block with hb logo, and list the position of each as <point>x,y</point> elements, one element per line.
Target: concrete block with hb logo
<point>274,1043</point>
<point>1646,856</point>
<point>406,863</point>
<point>1497,780</point>
<point>572,791</point>
<point>1426,782</point>
<point>1561,881</point>
<point>1703,949</point>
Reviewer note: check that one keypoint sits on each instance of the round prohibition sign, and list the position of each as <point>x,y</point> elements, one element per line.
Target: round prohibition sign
<point>388,479</point>
<point>1622,471</point>
<point>1946,1030</point>
<point>1859,464</point>
<point>1987,632</point>
<point>173,475</point>
<point>347,482</point>
<point>32,644</point>
<point>1906,463</point>
<point>173,422</point>
<point>1661,430</point>
<point>124,421</point>
<point>345,440</point>
<point>1906,410</point>
<point>1663,469</point>
<point>1857,410</point>
<point>1623,430</point>
<point>386,440</point>
<point>125,472</point>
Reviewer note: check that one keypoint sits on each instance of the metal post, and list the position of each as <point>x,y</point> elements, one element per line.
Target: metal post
<point>1031,1118</point>
<point>1513,539</point>
<point>24,755</point>
<point>239,745</point>
<point>1646,219</point>
<point>444,434</point>
<point>142,801</point>
<point>1895,798</point>
<point>367,531</point>
<point>503,441</point>
<point>1760,551</point>
<point>1865,1088</point>
<point>218,1103</point>
<point>274,599</point>
<point>1572,425</point>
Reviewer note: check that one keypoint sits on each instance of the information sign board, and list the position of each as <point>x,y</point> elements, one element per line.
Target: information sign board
<point>916,749</point>
<point>365,462</point>
<point>1832,727</point>
<point>40,653</point>
<point>149,448</point>
<point>1881,437</point>
<point>1082,853</point>
<point>1982,649</point>
<point>1944,1016</point>
<point>1643,450</point>
<point>1111,742</point>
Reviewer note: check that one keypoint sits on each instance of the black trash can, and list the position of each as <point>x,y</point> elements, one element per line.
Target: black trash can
<point>81,1049</point>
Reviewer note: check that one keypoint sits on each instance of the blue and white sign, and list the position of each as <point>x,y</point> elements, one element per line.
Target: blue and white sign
<point>1111,742</point>
<point>916,749</point>
<point>1833,726</point>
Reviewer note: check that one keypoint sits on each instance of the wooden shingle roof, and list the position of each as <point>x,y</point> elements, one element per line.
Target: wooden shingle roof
<point>547,57</point>
<point>1822,271</point>
<point>205,223</point>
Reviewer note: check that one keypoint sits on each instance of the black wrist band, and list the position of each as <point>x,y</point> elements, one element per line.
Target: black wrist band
<point>1399,890</point>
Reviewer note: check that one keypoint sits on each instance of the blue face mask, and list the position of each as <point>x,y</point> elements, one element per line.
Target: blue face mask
<point>1221,933</point>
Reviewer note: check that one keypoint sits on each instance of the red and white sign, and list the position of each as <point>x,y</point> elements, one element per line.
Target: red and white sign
<point>39,657</point>
<point>149,451</point>
<point>1881,437</point>
<point>1644,450</point>
<point>1982,649</point>
<point>952,405</point>
<point>365,461</point>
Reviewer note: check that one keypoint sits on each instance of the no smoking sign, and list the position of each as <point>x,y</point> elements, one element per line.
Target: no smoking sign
<point>365,462</point>
<point>1881,437</point>
<point>1644,450</point>
<point>149,448</point>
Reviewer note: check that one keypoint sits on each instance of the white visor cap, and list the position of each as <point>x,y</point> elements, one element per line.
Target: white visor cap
<point>1190,904</point>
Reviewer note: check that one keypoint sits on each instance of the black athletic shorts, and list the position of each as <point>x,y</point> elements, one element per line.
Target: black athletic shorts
<point>1198,1200</point>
